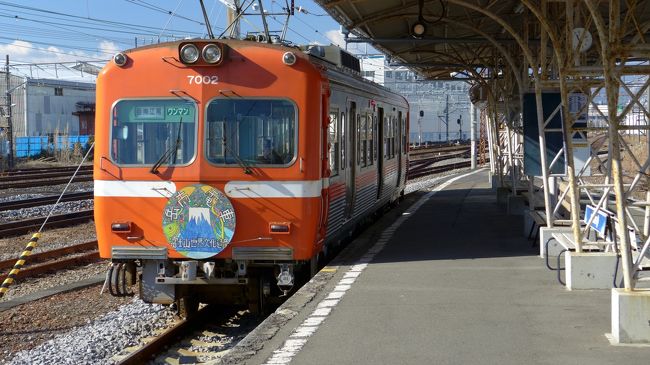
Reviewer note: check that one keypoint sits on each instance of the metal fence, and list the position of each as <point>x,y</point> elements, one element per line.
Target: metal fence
<point>34,146</point>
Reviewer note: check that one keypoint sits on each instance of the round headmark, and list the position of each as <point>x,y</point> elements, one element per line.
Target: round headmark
<point>198,221</point>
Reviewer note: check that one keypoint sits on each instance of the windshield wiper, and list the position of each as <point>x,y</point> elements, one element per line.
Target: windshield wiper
<point>168,153</point>
<point>240,162</point>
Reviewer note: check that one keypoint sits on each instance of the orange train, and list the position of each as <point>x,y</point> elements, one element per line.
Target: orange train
<point>224,169</point>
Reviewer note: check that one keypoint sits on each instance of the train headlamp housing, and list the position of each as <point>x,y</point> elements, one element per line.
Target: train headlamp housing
<point>289,59</point>
<point>202,53</point>
<point>211,53</point>
<point>120,59</point>
<point>189,53</point>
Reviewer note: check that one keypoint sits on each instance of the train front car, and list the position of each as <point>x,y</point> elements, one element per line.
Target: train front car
<point>208,180</point>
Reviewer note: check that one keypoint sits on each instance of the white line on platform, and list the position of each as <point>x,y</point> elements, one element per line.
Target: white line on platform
<point>309,326</point>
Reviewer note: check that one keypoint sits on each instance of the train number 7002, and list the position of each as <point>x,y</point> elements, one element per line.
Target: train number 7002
<point>203,79</point>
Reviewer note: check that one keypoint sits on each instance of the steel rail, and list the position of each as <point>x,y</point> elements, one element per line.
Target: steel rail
<point>45,200</point>
<point>53,254</point>
<point>32,224</point>
<point>45,181</point>
<point>58,264</point>
<point>37,171</point>
<point>170,336</point>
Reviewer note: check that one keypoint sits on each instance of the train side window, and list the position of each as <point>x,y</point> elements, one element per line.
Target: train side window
<point>364,140</point>
<point>375,137</point>
<point>369,133</point>
<point>343,133</point>
<point>395,131</point>
<point>385,138</point>
<point>333,139</point>
<point>403,132</point>
<point>358,140</point>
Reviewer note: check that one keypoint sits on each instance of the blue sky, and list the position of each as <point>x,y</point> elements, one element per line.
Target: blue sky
<point>37,31</point>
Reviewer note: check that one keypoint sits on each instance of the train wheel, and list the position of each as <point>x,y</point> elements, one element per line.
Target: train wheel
<point>187,306</point>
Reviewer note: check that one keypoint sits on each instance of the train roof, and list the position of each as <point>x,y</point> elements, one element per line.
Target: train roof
<point>342,66</point>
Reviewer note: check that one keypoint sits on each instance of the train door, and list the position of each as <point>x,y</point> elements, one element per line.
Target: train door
<point>350,132</point>
<point>380,153</point>
<point>398,141</point>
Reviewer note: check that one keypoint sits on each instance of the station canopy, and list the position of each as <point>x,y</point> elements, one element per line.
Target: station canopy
<point>457,39</point>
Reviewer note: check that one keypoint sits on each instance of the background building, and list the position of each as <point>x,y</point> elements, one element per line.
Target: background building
<point>442,103</point>
<point>48,107</point>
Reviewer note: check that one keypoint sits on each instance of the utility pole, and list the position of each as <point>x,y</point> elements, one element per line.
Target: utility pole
<point>10,133</point>
<point>447,118</point>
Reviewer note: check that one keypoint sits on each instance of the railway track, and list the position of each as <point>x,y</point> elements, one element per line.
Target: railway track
<point>57,259</point>
<point>35,202</point>
<point>199,339</point>
<point>44,170</point>
<point>437,169</point>
<point>25,178</point>
<point>33,224</point>
<point>438,149</point>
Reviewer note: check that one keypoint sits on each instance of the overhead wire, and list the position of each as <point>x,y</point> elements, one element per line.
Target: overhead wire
<point>149,6</point>
<point>170,17</point>
<point>90,20</point>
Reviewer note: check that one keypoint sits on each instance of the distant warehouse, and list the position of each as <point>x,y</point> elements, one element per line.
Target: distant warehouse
<point>48,107</point>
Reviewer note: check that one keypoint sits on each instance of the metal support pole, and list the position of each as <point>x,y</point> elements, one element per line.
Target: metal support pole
<point>472,133</point>
<point>608,36</point>
<point>574,192</point>
<point>10,127</point>
<point>548,205</point>
<point>511,159</point>
<point>447,119</point>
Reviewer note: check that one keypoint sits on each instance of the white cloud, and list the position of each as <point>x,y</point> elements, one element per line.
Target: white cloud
<point>336,37</point>
<point>108,47</point>
<point>18,48</point>
<point>27,52</point>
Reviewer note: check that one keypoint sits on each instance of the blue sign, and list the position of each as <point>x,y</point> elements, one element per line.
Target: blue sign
<point>599,222</point>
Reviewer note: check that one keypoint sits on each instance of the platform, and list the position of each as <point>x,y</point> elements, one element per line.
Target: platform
<point>456,283</point>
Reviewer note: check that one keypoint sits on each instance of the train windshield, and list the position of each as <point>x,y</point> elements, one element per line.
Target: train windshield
<point>153,132</point>
<point>251,131</point>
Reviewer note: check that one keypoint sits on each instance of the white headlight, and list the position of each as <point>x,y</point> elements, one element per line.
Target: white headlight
<point>189,53</point>
<point>211,53</point>
<point>120,59</point>
<point>289,58</point>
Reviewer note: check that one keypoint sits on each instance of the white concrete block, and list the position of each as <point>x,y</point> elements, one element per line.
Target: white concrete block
<point>590,270</point>
<point>546,234</point>
<point>631,316</point>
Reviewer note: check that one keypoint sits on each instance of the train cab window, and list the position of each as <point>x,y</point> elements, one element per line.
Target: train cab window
<point>251,132</point>
<point>153,132</point>
<point>333,139</point>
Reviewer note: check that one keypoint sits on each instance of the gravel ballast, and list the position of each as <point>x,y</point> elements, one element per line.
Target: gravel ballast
<point>98,341</point>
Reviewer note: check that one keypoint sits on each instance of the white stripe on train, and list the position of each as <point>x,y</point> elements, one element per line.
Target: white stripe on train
<point>233,189</point>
